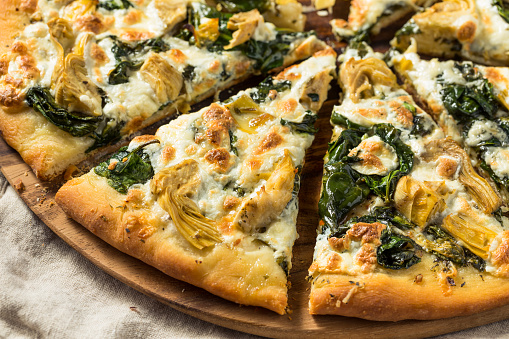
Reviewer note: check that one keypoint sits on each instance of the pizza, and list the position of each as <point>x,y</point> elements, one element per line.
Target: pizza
<point>410,226</point>
<point>476,30</point>
<point>211,198</point>
<point>76,76</point>
<point>371,16</point>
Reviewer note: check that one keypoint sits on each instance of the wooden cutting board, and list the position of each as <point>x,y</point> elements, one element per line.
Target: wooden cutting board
<point>39,196</point>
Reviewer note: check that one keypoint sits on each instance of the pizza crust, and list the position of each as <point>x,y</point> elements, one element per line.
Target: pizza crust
<point>224,270</point>
<point>397,295</point>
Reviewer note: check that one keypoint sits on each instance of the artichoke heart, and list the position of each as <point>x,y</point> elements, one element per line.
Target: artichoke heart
<point>480,190</point>
<point>73,89</point>
<point>259,211</point>
<point>172,186</point>
<point>200,231</point>
<point>416,201</point>
<point>61,30</point>
<point>248,114</point>
<point>244,24</point>
<point>360,77</point>
<point>469,230</point>
<point>164,79</point>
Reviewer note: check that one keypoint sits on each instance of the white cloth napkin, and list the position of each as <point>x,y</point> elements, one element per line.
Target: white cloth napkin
<point>48,290</point>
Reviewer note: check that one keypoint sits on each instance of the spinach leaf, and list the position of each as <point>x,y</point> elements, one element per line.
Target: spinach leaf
<point>270,54</point>
<point>339,119</point>
<point>78,125</point>
<point>383,214</point>
<point>262,90</point>
<point>445,247</point>
<point>234,6</point>
<point>110,5</point>
<point>396,251</point>
<point>343,189</point>
<point>420,127</point>
<point>471,101</point>
<point>385,186</point>
<point>307,125</point>
<point>503,9</point>
<point>131,168</point>
<point>465,103</point>
<point>128,57</point>
<point>110,133</point>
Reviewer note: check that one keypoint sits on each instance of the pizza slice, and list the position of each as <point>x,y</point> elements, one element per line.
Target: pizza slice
<point>476,30</point>
<point>211,198</point>
<point>408,229</point>
<point>69,87</point>
<point>371,16</point>
<point>470,102</point>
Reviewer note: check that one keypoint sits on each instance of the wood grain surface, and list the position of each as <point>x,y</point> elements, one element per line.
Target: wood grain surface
<point>39,196</point>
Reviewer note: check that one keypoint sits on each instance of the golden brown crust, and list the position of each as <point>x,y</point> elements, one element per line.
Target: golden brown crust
<point>227,271</point>
<point>414,294</point>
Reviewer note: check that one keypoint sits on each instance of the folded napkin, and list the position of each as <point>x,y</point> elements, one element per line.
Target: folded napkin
<point>48,290</point>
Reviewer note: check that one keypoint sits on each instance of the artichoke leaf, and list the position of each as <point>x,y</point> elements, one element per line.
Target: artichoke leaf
<point>164,79</point>
<point>171,12</point>
<point>474,236</point>
<point>480,190</point>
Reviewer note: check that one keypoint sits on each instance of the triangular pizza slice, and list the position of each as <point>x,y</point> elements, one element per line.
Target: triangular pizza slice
<point>211,198</point>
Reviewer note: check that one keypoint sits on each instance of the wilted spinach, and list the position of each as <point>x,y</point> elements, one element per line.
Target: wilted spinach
<point>76,124</point>
<point>445,247</point>
<point>114,4</point>
<point>234,6</point>
<point>270,54</point>
<point>261,92</point>
<point>385,186</point>
<point>128,57</point>
<point>472,101</point>
<point>110,133</point>
<point>131,168</point>
<point>396,251</point>
<point>266,54</point>
<point>307,125</point>
<point>345,188</point>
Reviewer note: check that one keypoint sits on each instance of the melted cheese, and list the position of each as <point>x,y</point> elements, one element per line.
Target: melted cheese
<point>216,186</point>
<point>484,130</point>
<point>378,157</point>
